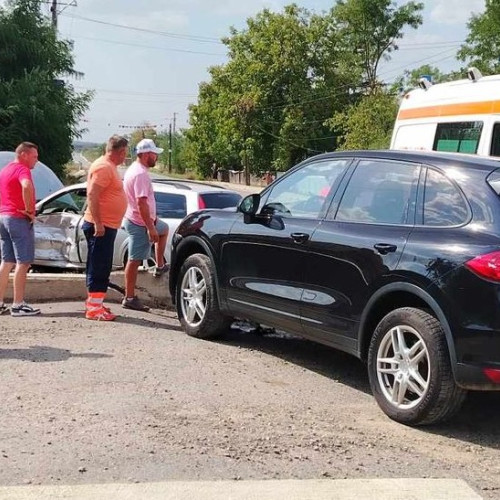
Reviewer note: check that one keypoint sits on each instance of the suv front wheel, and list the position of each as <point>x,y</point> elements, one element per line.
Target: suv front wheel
<point>197,304</point>
<point>409,369</point>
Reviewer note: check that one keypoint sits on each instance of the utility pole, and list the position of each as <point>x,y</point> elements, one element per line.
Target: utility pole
<point>53,10</point>
<point>170,148</point>
<point>54,4</point>
<point>175,115</point>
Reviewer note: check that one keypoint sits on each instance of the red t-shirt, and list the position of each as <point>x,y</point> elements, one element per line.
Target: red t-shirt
<point>11,191</point>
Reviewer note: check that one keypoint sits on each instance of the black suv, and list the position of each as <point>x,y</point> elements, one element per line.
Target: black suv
<point>392,256</point>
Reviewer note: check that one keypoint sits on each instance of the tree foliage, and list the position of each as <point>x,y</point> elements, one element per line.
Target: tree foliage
<point>35,104</point>
<point>482,47</point>
<point>368,124</point>
<point>288,74</point>
<point>371,28</point>
<point>410,79</point>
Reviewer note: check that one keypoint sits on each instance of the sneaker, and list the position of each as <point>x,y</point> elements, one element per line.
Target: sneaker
<point>160,270</point>
<point>3,309</point>
<point>24,310</point>
<point>135,304</point>
<point>89,307</point>
<point>101,314</point>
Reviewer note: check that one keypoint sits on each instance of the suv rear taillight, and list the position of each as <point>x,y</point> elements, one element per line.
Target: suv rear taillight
<point>493,374</point>
<point>201,203</point>
<point>487,266</point>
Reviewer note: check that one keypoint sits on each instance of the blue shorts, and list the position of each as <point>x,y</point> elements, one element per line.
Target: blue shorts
<point>139,246</point>
<point>17,240</point>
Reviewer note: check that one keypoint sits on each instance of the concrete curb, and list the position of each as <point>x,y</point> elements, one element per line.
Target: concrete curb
<point>48,287</point>
<point>341,489</point>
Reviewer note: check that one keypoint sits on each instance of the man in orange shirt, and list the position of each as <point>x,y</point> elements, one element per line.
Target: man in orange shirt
<point>105,210</point>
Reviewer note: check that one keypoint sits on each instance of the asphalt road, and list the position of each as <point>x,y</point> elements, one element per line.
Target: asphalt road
<point>139,401</point>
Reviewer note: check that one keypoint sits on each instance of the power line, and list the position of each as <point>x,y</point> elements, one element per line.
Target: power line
<point>130,44</point>
<point>134,92</point>
<point>192,38</point>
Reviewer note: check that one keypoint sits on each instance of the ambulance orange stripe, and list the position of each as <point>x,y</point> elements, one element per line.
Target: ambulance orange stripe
<point>466,108</point>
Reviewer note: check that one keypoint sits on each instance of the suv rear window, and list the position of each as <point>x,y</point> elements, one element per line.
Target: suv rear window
<point>220,200</point>
<point>170,206</point>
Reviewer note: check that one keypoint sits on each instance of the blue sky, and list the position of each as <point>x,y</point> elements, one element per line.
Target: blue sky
<point>142,76</point>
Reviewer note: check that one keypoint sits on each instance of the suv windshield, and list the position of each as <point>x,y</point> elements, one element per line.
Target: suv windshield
<point>220,200</point>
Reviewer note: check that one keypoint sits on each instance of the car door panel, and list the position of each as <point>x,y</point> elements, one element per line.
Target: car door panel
<point>266,249</point>
<point>55,237</point>
<point>58,229</point>
<point>275,245</point>
<point>357,248</point>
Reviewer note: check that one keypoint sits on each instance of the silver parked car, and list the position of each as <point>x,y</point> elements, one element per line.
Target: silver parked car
<point>59,239</point>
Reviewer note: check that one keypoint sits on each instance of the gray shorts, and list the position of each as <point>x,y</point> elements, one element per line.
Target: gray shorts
<point>139,246</point>
<point>17,240</point>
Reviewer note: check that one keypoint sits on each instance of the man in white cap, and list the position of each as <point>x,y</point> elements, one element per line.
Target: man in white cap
<point>141,222</point>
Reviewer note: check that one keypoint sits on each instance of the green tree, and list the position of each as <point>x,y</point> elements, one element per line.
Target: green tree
<point>266,107</point>
<point>371,29</point>
<point>35,103</point>
<point>411,78</point>
<point>368,124</point>
<point>482,45</point>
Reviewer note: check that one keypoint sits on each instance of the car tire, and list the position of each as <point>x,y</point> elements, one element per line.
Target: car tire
<point>196,299</point>
<point>409,369</point>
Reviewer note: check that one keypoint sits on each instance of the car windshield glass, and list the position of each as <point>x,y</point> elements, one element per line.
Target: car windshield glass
<point>220,200</point>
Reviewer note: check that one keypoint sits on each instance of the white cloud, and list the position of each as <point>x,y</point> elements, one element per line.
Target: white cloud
<point>455,11</point>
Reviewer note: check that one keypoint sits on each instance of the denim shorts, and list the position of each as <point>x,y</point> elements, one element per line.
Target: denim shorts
<point>139,246</point>
<point>17,240</point>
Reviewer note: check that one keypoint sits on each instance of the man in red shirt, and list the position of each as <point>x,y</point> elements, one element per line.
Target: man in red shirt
<point>17,238</point>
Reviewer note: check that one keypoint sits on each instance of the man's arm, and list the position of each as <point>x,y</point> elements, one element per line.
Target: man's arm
<point>28,194</point>
<point>142,205</point>
<point>93,194</point>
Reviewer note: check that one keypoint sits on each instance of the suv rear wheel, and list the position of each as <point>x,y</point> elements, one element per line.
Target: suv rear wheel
<point>197,304</point>
<point>409,369</point>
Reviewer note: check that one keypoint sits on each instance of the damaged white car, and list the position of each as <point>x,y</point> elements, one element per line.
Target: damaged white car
<point>59,239</point>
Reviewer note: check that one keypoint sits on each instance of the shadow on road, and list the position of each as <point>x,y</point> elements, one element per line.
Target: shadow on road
<point>46,354</point>
<point>321,359</point>
<point>142,321</point>
<point>476,422</point>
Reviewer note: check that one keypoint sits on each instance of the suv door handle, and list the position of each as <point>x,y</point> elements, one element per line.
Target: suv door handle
<point>299,237</point>
<point>385,248</point>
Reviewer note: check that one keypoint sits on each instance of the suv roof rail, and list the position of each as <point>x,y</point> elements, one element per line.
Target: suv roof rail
<point>181,183</point>
<point>171,183</point>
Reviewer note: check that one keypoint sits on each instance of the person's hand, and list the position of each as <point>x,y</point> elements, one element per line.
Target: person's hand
<point>98,230</point>
<point>29,215</point>
<point>153,235</point>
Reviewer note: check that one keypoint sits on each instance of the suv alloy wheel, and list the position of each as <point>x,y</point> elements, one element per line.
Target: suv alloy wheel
<point>409,368</point>
<point>197,305</point>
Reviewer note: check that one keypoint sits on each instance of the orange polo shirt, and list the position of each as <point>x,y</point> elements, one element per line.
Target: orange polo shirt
<point>113,201</point>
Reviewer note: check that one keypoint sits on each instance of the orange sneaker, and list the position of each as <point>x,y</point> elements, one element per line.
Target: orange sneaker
<point>101,314</point>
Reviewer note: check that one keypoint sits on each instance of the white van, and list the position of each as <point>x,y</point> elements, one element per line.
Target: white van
<point>461,116</point>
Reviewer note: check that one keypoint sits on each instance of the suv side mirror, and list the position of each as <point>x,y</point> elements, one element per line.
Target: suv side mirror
<point>250,204</point>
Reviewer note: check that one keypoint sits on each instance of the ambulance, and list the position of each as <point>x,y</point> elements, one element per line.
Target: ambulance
<point>461,116</point>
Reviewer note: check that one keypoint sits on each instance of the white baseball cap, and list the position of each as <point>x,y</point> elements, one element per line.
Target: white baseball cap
<point>147,146</point>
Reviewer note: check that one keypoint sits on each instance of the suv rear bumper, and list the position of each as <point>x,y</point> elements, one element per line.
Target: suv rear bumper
<point>474,378</point>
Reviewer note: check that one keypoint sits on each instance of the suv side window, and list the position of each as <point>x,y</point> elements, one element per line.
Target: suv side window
<point>444,204</point>
<point>380,192</point>
<point>304,192</point>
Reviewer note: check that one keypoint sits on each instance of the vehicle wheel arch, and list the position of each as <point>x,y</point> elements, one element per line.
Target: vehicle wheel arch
<point>189,246</point>
<point>393,296</point>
